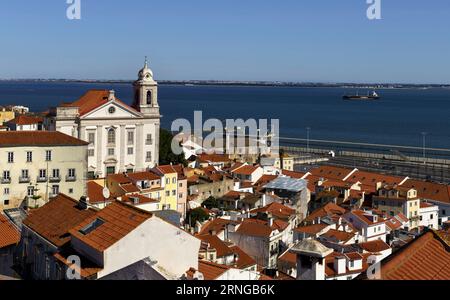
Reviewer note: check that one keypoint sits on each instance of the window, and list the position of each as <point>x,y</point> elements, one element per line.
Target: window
<point>91,138</point>
<point>130,151</point>
<point>48,155</point>
<point>180,195</point>
<point>10,157</point>
<point>29,156</point>
<point>174,180</point>
<point>130,138</point>
<point>431,217</point>
<point>6,191</point>
<point>167,193</point>
<point>6,175</point>
<point>70,191</point>
<point>72,173</point>
<point>24,173</point>
<point>30,191</point>
<point>174,193</point>
<point>111,136</point>
<point>111,151</point>
<point>42,173</point>
<point>47,267</point>
<point>6,202</point>
<point>112,110</point>
<point>148,157</point>
<point>167,180</point>
<point>92,226</point>
<point>91,152</point>
<point>55,189</point>
<point>55,173</point>
<point>149,140</point>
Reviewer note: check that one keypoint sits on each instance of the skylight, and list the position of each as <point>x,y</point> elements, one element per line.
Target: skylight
<point>92,226</point>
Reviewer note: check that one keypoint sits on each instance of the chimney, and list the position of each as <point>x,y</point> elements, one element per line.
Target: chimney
<point>83,204</point>
<point>111,95</point>
<point>340,264</point>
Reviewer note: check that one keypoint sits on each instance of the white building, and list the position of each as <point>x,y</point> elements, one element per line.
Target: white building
<point>121,137</point>
<point>429,215</point>
<point>40,164</point>
<point>370,226</point>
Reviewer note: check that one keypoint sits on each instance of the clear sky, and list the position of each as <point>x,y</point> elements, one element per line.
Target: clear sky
<point>286,40</point>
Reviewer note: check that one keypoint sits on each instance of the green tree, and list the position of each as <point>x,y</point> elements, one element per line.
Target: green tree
<point>166,156</point>
<point>197,214</point>
<point>210,203</point>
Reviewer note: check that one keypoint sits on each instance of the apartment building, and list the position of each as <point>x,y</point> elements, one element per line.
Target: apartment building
<point>36,166</point>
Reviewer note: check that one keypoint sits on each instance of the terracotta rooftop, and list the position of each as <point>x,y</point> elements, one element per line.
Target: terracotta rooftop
<point>95,193</point>
<point>277,210</point>
<point>37,138</point>
<point>246,170</point>
<point>425,258</point>
<point>25,120</point>
<point>54,220</point>
<point>92,100</point>
<point>429,190</point>
<point>9,234</point>
<point>214,242</point>
<point>243,259</point>
<point>289,258</point>
<point>210,270</point>
<point>112,224</point>
<point>265,179</point>
<point>214,158</point>
<point>340,236</point>
<point>141,199</point>
<point>330,172</point>
<point>260,228</point>
<point>328,209</point>
<point>311,229</point>
<point>216,225</point>
<point>292,174</point>
<point>374,246</point>
<point>141,176</point>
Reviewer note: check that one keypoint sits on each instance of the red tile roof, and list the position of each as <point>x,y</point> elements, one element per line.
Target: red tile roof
<point>9,234</point>
<point>328,209</point>
<point>246,170</point>
<point>38,138</point>
<point>141,176</point>
<point>374,246</point>
<point>311,229</point>
<point>95,193</point>
<point>54,220</point>
<point>289,258</point>
<point>25,120</point>
<point>430,190</point>
<point>214,158</point>
<point>330,172</point>
<point>292,174</point>
<point>425,258</point>
<point>216,225</point>
<point>216,243</point>
<point>277,210</point>
<point>265,179</point>
<point>243,259</point>
<point>142,199</point>
<point>92,100</point>
<point>340,236</point>
<point>119,220</point>
<point>210,270</point>
<point>260,228</point>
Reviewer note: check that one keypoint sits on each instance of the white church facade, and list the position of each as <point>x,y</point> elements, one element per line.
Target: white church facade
<point>121,137</point>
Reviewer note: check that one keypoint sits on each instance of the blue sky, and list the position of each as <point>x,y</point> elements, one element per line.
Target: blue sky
<point>286,40</point>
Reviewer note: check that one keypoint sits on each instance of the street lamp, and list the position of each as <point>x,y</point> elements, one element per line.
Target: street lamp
<point>424,135</point>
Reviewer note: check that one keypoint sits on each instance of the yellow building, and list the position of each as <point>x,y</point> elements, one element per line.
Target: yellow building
<point>169,182</point>
<point>395,200</point>
<point>6,116</point>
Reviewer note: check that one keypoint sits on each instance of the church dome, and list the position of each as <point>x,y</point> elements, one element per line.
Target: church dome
<point>145,73</point>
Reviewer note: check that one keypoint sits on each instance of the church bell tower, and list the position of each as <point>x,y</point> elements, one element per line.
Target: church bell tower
<point>146,93</point>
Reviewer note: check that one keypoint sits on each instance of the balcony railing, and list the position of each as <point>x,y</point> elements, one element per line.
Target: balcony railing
<point>6,180</point>
<point>55,179</point>
<point>41,179</point>
<point>71,178</point>
<point>24,179</point>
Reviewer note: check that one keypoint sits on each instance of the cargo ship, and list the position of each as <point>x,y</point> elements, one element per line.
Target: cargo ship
<point>371,96</point>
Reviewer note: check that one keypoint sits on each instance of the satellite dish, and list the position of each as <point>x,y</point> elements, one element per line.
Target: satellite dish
<point>106,193</point>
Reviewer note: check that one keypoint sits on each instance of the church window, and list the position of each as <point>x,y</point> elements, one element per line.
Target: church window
<point>149,98</point>
<point>111,136</point>
<point>130,137</point>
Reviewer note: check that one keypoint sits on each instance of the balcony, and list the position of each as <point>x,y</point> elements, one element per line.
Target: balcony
<point>55,179</point>
<point>41,179</point>
<point>6,180</point>
<point>71,178</point>
<point>24,179</point>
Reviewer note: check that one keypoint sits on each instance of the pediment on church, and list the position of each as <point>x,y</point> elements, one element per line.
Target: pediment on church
<point>112,110</point>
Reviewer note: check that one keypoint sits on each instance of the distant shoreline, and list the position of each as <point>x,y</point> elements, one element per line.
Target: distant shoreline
<point>247,83</point>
